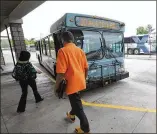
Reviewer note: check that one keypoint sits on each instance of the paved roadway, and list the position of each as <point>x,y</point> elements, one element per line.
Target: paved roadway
<point>128,106</point>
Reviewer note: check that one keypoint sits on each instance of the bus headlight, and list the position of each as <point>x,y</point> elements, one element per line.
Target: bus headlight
<point>121,69</point>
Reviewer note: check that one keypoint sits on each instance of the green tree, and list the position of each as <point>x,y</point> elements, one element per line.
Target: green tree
<point>26,41</point>
<point>141,30</point>
<point>144,30</point>
<point>29,42</point>
<point>32,41</point>
<point>150,28</point>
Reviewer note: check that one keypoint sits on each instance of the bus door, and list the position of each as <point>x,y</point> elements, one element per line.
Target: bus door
<point>38,51</point>
<point>52,57</point>
<point>57,45</point>
<point>45,50</point>
<point>57,41</point>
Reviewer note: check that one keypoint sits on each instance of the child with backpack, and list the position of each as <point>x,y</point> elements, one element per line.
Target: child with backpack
<point>25,73</point>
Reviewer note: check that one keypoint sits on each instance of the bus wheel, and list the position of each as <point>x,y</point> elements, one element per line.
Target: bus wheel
<point>136,51</point>
<point>130,51</point>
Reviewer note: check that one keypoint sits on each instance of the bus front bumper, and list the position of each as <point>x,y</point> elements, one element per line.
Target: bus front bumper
<point>121,76</point>
<point>97,82</point>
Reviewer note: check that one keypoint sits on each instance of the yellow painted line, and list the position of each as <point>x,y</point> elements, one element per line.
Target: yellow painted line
<point>107,105</point>
<point>118,107</point>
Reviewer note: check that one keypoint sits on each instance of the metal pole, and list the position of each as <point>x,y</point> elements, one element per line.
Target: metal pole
<point>127,50</point>
<point>10,45</point>
<point>150,46</point>
<point>149,33</point>
<point>149,43</point>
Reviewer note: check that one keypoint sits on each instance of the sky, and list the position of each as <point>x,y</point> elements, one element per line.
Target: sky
<point>132,13</point>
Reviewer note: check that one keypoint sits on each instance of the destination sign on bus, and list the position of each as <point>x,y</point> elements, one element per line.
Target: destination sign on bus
<point>97,23</point>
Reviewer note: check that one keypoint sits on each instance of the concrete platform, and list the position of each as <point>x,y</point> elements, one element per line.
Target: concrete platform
<point>138,91</point>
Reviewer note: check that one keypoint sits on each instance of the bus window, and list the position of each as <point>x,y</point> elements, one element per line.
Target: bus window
<point>78,37</point>
<point>79,43</point>
<point>52,47</point>
<point>37,45</point>
<point>114,42</point>
<point>42,46</point>
<point>90,42</point>
<point>47,47</point>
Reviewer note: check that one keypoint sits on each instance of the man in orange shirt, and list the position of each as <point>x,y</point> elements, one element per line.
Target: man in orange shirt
<point>72,65</point>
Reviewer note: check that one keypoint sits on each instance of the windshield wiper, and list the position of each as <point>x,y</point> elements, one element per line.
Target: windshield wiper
<point>94,54</point>
<point>112,55</point>
<point>91,52</point>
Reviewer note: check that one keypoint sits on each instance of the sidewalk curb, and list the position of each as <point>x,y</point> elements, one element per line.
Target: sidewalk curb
<point>140,58</point>
<point>5,73</point>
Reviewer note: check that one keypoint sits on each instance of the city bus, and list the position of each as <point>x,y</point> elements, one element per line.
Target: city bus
<point>102,40</point>
<point>140,44</point>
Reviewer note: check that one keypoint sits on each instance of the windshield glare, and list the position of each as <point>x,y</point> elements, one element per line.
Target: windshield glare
<point>114,42</point>
<point>90,42</point>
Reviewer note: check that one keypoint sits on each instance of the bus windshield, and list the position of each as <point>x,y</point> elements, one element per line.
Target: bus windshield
<point>90,42</point>
<point>114,43</point>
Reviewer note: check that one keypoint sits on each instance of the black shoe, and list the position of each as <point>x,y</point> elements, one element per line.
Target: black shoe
<point>18,111</point>
<point>40,100</point>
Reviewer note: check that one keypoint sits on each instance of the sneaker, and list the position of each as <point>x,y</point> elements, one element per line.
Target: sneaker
<point>78,130</point>
<point>70,117</point>
<point>40,100</point>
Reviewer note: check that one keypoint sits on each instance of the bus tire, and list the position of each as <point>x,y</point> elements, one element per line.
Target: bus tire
<point>136,51</point>
<point>130,51</point>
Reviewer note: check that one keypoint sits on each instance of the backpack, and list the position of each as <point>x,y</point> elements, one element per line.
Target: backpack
<point>24,71</point>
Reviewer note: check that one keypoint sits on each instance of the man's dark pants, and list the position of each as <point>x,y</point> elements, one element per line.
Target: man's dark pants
<point>77,109</point>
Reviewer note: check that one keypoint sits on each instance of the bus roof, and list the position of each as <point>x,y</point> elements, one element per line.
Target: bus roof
<point>94,16</point>
<point>69,18</point>
<point>139,35</point>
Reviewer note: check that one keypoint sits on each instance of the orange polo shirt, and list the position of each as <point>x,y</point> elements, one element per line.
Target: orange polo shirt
<point>72,61</point>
